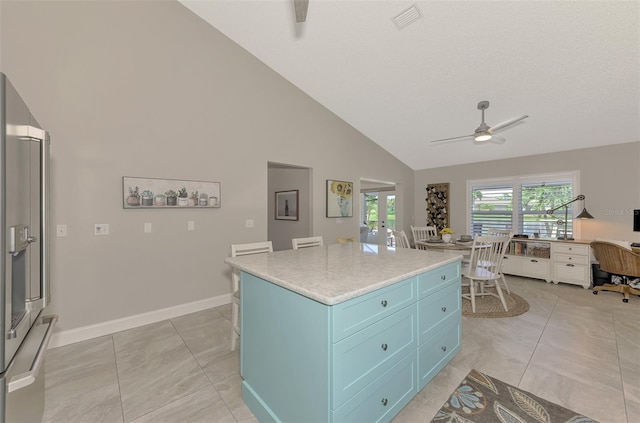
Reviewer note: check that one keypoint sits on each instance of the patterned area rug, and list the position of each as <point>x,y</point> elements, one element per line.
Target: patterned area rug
<point>483,399</point>
<point>492,307</point>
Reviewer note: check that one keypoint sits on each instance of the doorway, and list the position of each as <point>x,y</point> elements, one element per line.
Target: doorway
<point>379,209</point>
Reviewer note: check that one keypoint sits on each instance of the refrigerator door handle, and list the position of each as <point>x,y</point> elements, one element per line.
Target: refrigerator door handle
<point>27,378</point>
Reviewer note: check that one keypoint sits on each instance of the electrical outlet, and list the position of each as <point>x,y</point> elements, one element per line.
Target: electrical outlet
<point>248,223</point>
<point>61,231</point>
<point>101,229</point>
<point>147,228</point>
<point>191,225</point>
<point>338,220</point>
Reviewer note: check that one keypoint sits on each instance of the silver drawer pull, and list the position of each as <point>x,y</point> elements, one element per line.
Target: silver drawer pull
<point>384,303</point>
<point>570,265</point>
<point>444,309</point>
<point>443,277</point>
<point>534,261</point>
<point>444,348</point>
<point>384,347</point>
<point>384,401</point>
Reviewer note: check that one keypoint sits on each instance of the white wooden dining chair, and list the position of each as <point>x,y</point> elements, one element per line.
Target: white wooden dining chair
<point>312,241</point>
<point>401,239</point>
<point>421,233</point>
<point>502,232</point>
<point>484,270</point>
<point>238,250</point>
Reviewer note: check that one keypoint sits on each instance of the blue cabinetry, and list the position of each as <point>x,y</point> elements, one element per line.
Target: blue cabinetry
<point>361,360</point>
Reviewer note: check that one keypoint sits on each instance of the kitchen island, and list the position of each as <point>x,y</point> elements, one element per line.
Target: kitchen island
<point>345,332</point>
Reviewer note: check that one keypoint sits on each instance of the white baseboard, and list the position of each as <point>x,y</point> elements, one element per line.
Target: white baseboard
<point>71,336</point>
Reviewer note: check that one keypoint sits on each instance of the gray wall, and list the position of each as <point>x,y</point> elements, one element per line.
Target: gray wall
<point>147,89</point>
<point>280,232</point>
<point>609,179</point>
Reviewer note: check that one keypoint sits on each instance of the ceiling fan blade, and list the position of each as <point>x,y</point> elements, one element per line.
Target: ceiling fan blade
<point>507,123</point>
<point>454,139</point>
<point>300,7</point>
<point>497,139</point>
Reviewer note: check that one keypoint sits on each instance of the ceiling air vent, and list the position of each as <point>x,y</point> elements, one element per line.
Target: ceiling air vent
<point>407,17</point>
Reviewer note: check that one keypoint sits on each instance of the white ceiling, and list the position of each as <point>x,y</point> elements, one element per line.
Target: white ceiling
<point>572,66</point>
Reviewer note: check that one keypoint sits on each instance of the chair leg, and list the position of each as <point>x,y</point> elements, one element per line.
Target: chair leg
<point>235,314</point>
<point>472,295</point>
<point>504,281</point>
<point>504,303</point>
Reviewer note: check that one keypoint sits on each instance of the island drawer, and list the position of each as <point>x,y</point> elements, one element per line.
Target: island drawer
<point>436,309</point>
<point>361,358</point>
<point>351,316</point>
<point>436,352</point>
<point>432,281</point>
<point>385,397</point>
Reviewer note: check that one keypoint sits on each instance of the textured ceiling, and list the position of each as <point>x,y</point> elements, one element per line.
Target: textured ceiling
<point>572,66</point>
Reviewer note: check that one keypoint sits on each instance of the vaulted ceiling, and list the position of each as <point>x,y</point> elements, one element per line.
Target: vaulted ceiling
<point>572,66</point>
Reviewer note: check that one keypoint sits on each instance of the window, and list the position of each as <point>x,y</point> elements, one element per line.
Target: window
<point>521,203</point>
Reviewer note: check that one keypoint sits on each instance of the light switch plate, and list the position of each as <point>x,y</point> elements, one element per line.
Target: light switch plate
<point>191,225</point>
<point>61,231</point>
<point>148,228</point>
<point>101,229</point>
<point>248,223</point>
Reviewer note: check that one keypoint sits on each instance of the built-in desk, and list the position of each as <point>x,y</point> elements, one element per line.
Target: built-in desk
<point>345,332</point>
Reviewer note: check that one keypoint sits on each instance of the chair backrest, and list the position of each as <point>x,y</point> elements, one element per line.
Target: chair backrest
<point>616,259</point>
<point>486,257</point>
<point>500,232</point>
<point>238,250</point>
<point>401,239</point>
<point>312,241</point>
<point>421,233</point>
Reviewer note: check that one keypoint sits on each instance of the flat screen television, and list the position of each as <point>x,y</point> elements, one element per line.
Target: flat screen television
<point>636,220</point>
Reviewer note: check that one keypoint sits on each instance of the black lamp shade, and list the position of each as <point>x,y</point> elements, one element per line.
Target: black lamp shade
<point>584,215</point>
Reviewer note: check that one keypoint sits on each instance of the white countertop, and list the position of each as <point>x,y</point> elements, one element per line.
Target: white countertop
<point>335,273</point>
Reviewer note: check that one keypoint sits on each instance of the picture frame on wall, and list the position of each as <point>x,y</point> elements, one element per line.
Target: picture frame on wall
<point>339,198</point>
<point>156,193</point>
<point>287,205</point>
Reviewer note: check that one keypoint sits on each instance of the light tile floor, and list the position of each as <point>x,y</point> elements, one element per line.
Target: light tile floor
<point>574,348</point>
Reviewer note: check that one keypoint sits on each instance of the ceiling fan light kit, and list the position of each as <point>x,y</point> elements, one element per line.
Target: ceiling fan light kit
<point>484,132</point>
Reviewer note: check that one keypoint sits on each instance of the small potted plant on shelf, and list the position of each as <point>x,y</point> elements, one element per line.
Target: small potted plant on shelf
<point>193,200</point>
<point>446,234</point>
<point>172,197</point>
<point>203,200</point>
<point>133,199</point>
<point>182,197</point>
<point>160,200</point>
<point>147,198</point>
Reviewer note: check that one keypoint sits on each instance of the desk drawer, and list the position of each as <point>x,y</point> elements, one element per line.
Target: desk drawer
<point>385,397</point>
<point>359,359</point>
<point>574,249</point>
<point>436,352</point>
<point>351,316</point>
<point>435,279</point>
<point>571,258</point>
<point>436,309</point>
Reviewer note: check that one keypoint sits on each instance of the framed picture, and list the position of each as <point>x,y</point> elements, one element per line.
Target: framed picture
<point>438,205</point>
<point>154,193</point>
<point>339,198</point>
<point>287,205</point>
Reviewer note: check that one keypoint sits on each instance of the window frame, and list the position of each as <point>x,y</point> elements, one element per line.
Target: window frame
<point>516,183</point>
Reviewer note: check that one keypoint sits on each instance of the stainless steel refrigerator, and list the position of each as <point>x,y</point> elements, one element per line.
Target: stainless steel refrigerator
<point>24,259</point>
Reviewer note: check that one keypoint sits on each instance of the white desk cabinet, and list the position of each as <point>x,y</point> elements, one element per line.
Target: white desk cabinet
<point>552,260</point>
<point>361,360</point>
<point>571,263</point>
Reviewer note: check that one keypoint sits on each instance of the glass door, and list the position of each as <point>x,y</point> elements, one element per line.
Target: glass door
<point>379,214</point>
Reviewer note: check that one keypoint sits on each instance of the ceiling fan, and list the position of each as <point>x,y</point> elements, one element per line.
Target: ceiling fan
<point>484,133</point>
<point>300,7</point>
